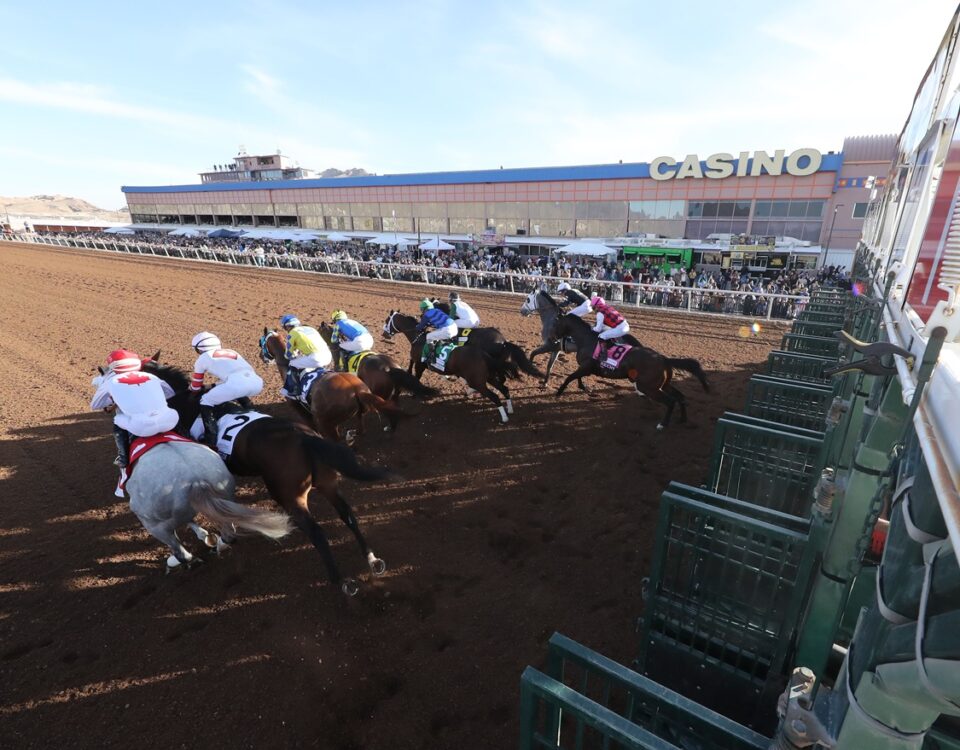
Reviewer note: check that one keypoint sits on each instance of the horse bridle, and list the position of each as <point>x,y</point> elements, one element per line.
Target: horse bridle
<point>390,328</point>
<point>265,354</point>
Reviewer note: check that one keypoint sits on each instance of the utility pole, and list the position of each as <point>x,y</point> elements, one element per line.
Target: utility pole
<point>826,249</point>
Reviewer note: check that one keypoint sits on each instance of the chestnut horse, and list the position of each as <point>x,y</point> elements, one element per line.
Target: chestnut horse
<point>335,397</point>
<point>292,460</point>
<point>471,363</point>
<point>649,371</point>
<point>382,375</point>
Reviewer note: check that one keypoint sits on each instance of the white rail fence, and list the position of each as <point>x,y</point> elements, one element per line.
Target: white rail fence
<point>760,305</point>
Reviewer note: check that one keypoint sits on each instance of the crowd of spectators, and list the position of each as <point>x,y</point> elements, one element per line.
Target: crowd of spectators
<point>504,269</point>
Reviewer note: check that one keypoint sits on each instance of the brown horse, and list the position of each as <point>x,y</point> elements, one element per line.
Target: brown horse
<point>292,460</point>
<point>471,363</point>
<point>335,397</point>
<point>649,371</point>
<point>382,375</point>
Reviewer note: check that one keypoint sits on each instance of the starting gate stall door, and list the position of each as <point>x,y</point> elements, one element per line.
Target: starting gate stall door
<point>789,402</point>
<point>794,366</point>
<point>819,346</point>
<point>804,327</point>
<point>665,714</point>
<point>769,464</point>
<point>723,601</point>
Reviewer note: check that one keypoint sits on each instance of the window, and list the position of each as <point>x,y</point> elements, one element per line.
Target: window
<point>860,210</point>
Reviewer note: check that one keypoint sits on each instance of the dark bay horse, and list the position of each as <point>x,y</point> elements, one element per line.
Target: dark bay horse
<point>496,345</point>
<point>540,302</point>
<point>471,363</point>
<point>292,460</point>
<point>382,376</point>
<point>335,397</point>
<point>649,371</point>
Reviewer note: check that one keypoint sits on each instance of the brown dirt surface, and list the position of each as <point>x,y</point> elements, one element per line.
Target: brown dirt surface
<point>495,537</point>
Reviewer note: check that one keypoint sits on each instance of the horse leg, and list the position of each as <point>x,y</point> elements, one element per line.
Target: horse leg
<point>377,566</point>
<point>582,370</point>
<point>554,355</point>
<point>501,386</point>
<point>165,532</point>
<point>481,388</point>
<point>304,521</point>
<point>681,401</point>
<point>669,400</point>
<point>202,534</point>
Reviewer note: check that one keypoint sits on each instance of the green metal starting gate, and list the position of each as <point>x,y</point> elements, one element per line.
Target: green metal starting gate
<point>788,402</point>
<point>797,366</point>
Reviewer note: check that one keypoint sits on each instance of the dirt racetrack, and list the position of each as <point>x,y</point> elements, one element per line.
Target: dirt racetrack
<point>495,537</point>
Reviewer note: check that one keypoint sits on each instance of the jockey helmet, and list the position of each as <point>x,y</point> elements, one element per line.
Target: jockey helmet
<point>338,315</point>
<point>596,299</point>
<point>204,342</point>
<point>454,296</point>
<point>123,360</point>
<point>289,320</point>
<point>562,286</point>
<point>426,304</point>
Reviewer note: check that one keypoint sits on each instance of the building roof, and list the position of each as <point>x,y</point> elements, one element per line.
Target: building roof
<point>639,170</point>
<point>879,148</point>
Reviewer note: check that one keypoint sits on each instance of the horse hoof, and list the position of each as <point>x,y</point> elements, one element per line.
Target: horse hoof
<point>378,567</point>
<point>350,438</point>
<point>350,587</point>
<point>387,428</point>
<point>222,546</point>
<point>660,427</point>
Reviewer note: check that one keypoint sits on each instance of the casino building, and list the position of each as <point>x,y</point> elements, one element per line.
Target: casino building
<point>820,198</point>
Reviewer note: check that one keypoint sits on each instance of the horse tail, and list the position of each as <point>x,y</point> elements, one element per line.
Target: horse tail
<point>403,379</point>
<point>693,367</point>
<point>341,458</point>
<point>519,357</point>
<point>204,498</point>
<point>501,366</point>
<point>372,402</point>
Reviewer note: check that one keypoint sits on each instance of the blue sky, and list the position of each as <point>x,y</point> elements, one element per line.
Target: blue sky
<point>96,95</point>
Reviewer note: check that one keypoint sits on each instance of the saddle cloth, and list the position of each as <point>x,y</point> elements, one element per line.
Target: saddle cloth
<point>141,445</point>
<point>228,427</point>
<point>442,352</point>
<point>307,379</point>
<point>353,363</point>
<point>615,355</point>
<point>463,335</point>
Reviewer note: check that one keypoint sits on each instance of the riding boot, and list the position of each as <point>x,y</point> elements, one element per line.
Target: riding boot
<point>209,426</point>
<point>292,384</point>
<point>427,353</point>
<point>337,353</point>
<point>603,351</point>
<point>245,402</point>
<point>122,439</point>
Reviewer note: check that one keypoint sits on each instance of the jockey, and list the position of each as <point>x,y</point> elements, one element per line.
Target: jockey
<point>306,350</point>
<point>348,336</point>
<point>444,328</point>
<point>461,313</point>
<point>238,381</point>
<point>574,297</point>
<point>140,400</point>
<point>610,323</point>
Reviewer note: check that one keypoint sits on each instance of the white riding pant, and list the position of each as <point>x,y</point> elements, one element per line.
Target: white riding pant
<point>322,358</point>
<point>612,333</point>
<point>239,385</point>
<point>582,309</point>
<point>462,323</point>
<point>442,334</point>
<point>151,423</point>
<point>362,343</point>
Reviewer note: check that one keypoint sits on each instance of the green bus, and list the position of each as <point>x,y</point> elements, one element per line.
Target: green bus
<point>667,258</point>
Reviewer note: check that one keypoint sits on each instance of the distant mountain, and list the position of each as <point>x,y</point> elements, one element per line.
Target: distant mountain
<point>354,172</point>
<point>59,207</point>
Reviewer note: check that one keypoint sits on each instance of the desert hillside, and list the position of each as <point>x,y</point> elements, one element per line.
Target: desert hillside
<point>60,207</point>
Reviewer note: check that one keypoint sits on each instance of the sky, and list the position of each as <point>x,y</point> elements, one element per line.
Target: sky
<point>96,95</point>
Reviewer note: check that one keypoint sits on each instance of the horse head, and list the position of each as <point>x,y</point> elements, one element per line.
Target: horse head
<point>266,356</point>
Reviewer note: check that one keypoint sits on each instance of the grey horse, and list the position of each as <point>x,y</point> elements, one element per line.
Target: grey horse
<point>174,481</point>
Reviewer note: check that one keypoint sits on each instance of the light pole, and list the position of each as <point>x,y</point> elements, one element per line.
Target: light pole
<point>826,249</point>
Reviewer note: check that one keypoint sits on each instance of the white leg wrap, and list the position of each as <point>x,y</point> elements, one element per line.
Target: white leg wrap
<point>509,406</point>
<point>503,414</point>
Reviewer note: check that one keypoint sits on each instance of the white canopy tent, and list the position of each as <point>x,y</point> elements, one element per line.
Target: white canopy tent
<point>119,230</point>
<point>390,239</point>
<point>337,237</point>
<point>436,244</point>
<point>589,249</point>
<point>185,232</point>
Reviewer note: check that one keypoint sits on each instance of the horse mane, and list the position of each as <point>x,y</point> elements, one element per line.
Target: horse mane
<point>171,374</point>
<point>550,299</point>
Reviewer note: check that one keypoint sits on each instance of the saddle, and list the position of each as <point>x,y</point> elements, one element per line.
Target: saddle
<point>463,335</point>
<point>615,354</point>
<point>354,360</point>
<point>139,447</point>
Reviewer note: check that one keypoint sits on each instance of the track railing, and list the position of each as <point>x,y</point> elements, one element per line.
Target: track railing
<point>754,305</point>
